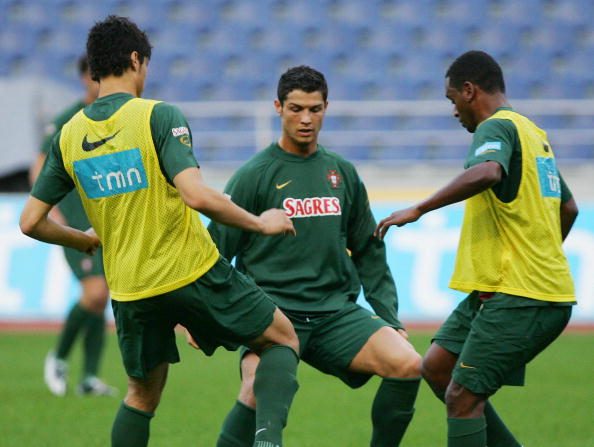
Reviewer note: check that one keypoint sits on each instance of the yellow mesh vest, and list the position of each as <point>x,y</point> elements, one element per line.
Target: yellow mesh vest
<point>152,242</point>
<point>516,247</point>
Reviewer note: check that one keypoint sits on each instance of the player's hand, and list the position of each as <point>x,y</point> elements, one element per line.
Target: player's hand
<point>398,218</point>
<point>191,340</point>
<point>276,221</point>
<point>92,243</point>
<point>403,333</point>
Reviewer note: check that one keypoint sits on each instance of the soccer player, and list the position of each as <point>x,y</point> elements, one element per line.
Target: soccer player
<point>86,318</point>
<point>132,164</point>
<point>510,259</point>
<point>315,277</point>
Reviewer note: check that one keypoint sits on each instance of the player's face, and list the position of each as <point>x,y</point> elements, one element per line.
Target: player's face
<point>301,115</point>
<point>462,100</point>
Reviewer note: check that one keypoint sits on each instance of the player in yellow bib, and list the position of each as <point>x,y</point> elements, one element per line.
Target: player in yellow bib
<point>510,258</point>
<point>132,163</point>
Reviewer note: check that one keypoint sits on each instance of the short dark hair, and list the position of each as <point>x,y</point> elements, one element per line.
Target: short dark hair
<point>301,78</point>
<point>110,44</point>
<point>479,68</point>
<point>83,64</point>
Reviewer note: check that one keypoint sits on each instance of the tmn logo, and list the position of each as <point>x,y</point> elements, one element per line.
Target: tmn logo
<point>112,174</point>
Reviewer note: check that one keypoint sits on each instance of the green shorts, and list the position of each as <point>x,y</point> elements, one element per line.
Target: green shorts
<point>494,338</point>
<point>83,265</point>
<point>329,341</point>
<point>221,308</point>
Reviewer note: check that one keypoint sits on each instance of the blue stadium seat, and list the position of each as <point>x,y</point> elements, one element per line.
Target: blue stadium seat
<point>13,41</point>
<point>553,37</point>
<point>393,36</point>
<point>368,49</point>
<point>525,12</point>
<point>570,11</point>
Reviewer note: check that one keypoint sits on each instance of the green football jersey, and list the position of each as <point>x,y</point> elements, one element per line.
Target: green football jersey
<point>334,253</point>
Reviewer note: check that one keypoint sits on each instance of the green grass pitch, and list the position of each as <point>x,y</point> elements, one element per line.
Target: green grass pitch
<point>555,409</point>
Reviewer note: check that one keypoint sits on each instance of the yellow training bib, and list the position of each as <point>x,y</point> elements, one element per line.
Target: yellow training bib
<point>515,247</point>
<point>152,242</point>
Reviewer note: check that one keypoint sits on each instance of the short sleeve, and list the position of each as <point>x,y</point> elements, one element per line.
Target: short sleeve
<point>173,140</point>
<point>53,182</point>
<point>494,140</point>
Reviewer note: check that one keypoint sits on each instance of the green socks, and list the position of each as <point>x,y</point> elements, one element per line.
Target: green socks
<point>498,435</point>
<point>93,344</point>
<point>239,427</point>
<point>467,432</point>
<point>392,410</point>
<point>76,319</point>
<point>131,427</point>
<point>275,386</point>
<point>94,325</point>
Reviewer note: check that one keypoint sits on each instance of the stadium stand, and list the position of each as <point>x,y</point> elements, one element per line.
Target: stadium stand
<point>233,50</point>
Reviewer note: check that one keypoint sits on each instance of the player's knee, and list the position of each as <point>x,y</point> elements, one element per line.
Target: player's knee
<point>427,371</point>
<point>142,400</point>
<point>293,342</point>
<point>404,367</point>
<point>287,336</point>
<point>432,371</point>
<point>94,297</point>
<point>461,402</point>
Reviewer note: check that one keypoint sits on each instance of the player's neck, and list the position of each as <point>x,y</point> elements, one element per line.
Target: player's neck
<point>490,104</point>
<point>117,84</point>
<point>301,151</point>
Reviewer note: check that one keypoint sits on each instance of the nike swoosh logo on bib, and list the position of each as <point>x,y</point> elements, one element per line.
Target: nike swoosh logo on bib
<point>88,146</point>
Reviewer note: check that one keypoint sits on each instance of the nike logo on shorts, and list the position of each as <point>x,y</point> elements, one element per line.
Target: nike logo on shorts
<point>462,365</point>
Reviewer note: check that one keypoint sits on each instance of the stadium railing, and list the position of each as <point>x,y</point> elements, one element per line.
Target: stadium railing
<point>382,131</point>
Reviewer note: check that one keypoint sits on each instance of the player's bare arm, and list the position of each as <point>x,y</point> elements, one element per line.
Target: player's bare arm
<point>36,168</point>
<point>35,223</point>
<point>198,195</point>
<point>569,212</point>
<point>471,182</point>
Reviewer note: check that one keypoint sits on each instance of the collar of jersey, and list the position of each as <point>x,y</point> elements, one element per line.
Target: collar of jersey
<point>280,153</point>
<point>104,107</point>
<point>498,109</point>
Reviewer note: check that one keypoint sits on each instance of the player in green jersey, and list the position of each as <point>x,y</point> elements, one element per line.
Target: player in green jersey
<point>510,258</point>
<point>131,161</point>
<point>86,318</point>
<point>316,277</point>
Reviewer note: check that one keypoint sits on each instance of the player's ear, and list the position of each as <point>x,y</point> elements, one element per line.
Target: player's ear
<point>135,60</point>
<point>468,91</point>
<point>278,106</point>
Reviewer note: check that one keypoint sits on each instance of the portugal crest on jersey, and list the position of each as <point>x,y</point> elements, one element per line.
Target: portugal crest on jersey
<point>334,178</point>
